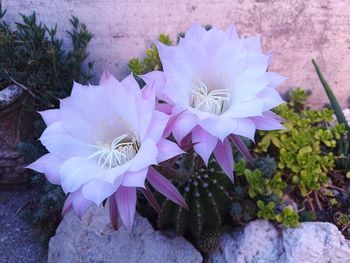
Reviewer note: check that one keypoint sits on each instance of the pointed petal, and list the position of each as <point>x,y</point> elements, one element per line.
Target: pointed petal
<point>165,187</point>
<point>151,199</point>
<point>50,165</point>
<point>232,33</point>
<point>204,143</point>
<point>250,108</point>
<point>267,123</point>
<point>135,179</point>
<point>167,150</point>
<point>97,191</point>
<point>50,116</point>
<point>245,127</point>
<point>156,80</point>
<point>126,202</point>
<point>113,212</point>
<point>78,202</point>
<point>242,148</point>
<point>105,76</point>
<point>270,97</point>
<point>183,125</point>
<point>223,155</point>
<point>219,127</point>
<point>131,86</point>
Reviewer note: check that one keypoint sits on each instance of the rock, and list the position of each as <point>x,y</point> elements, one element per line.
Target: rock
<point>93,240</point>
<point>15,125</point>
<point>315,242</point>
<point>261,242</point>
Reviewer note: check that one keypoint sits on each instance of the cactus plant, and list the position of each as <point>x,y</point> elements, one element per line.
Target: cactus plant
<point>206,192</point>
<point>209,240</point>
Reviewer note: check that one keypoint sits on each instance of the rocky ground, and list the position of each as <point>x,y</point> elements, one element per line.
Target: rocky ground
<point>19,242</point>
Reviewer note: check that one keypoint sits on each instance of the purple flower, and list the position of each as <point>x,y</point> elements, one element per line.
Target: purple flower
<point>219,88</point>
<point>102,143</point>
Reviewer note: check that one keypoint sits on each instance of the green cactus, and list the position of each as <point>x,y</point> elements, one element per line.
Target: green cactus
<point>206,193</point>
<point>209,240</point>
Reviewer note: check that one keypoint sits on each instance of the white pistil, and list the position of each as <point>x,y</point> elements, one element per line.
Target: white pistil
<point>215,101</point>
<point>116,153</point>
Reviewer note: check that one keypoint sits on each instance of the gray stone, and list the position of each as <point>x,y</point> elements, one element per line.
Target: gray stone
<point>315,243</point>
<point>261,242</point>
<point>258,242</point>
<point>93,240</point>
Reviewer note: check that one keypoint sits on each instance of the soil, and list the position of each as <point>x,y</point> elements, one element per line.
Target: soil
<point>19,241</point>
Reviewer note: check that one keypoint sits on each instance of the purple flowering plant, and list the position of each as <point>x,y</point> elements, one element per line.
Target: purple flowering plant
<point>106,141</point>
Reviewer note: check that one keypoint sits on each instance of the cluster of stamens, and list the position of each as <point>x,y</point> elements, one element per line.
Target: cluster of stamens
<point>122,149</point>
<point>214,101</point>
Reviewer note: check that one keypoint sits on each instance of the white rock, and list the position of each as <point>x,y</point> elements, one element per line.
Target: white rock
<point>258,242</point>
<point>315,243</point>
<point>261,242</point>
<point>93,240</point>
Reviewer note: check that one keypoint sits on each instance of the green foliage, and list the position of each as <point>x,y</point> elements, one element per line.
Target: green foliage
<point>267,165</point>
<point>32,57</point>
<point>151,61</point>
<point>304,152</point>
<point>45,212</point>
<point>266,211</point>
<point>344,141</point>
<point>289,217</point>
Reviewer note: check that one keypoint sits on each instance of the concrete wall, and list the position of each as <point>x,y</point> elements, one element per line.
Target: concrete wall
<point>294,30</point>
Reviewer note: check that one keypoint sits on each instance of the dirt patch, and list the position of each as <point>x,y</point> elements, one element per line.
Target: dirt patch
<point>19,242</point>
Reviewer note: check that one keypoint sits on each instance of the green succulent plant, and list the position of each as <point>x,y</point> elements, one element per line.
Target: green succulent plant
<point>151,61</point>
<point>289,217</point>
<point>206,191</point>
<point>304,152</point>
<point>266,211</point>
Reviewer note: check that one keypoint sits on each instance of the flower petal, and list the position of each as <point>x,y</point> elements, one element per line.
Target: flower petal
<point>223,155</point>
<point>268,122</point>
<point>135,179</point>
<point>270,97</point>
<point>151,199</point>
<point>97,191</point>
<point>165,187</point>
<point>241,147</point>
<point>245,127</point>
<point>59,142</point>
<point>219,127</point>
<point>146,156</point>
<point>167,150</point>
<point>183,125</point>
<point>50,116</point>
<point>113,212</point>
<point>78,202</point>
<point>126,202</point>
<point>204,143</point>
<point>77,171</point>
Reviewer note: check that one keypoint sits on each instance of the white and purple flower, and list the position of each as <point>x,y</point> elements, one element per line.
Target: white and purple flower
<point>102,143</point>
<point>219,89</point>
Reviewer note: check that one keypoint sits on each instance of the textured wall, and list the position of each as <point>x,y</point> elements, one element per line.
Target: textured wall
<point>294,30</point>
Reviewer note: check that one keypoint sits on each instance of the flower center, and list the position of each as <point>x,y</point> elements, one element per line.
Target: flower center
<point>214,101</point>
<point>119,151</point>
